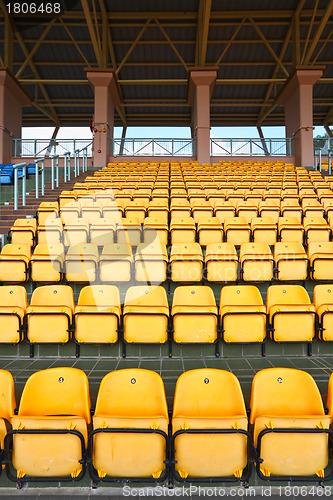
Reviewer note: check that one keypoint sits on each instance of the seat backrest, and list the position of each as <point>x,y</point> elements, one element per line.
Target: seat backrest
<point>56,392</point>
<point>227,249</point>
<point>153,248</point>
<point>285,221</point>
<point>255,249</point>
<point>83,249</point>
<point>17,249</point>
<point>284,392</point>
<point>193,296</point>
<point>308,221</point>
<point>146,296</point>
<point>117,249</point>
<point>293,247</point>
<point>54,295</point>
<point>286,294</point>
<point>186,249</point>
<point>320,247</point>
<point>209,393</point>
<point>240,295</point>
<point>51,249</point>
<point>323,294</point>
<point>132,393</point>
<point>7,395</point>
<point>99,295</point>
<point>15,296</point>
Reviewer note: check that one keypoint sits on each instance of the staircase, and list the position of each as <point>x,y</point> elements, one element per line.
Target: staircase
<point>9,215</point>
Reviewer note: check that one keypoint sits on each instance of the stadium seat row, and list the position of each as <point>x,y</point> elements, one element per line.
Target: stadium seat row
<point>103,205</point>
<point>235,230</point>
<point>207,438</point>
<point>98,318</point>
<point>151,263</point>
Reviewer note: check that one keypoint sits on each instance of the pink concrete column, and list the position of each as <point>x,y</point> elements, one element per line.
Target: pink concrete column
<point>107,96</point>
<point>296,97</point>
<point>12,98</point>
<point>201,83</point>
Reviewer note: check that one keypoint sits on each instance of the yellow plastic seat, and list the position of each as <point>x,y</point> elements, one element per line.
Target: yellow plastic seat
<point>221,262</point>
<point>23,232</point>
<point>186,262</point>
<point>247,209</point>
<point>156,228</point>
<point>97,315</point>
<point>290,229</point>
<point>115,263</point>
<point>113,209</point>
<point>159,205</point>
<point>291,261</point>
<point>328,207</point>
<point>270,209</point>
<point>146,315</point>
<point>264,230</point>
<point>183,230</point>
<point>129,231</point>
<point>132,399</point>
<point>210,230</point>
<point>323,302</point>
<point>224,209</point>
<point>92,211</point>
<point>312,209</point>
<point>70,211</point>
<point>53,400</point>
<point>292,316</point>
<point>7,402</point>
<point>209,426</point>
<point>102,232</point>
<point>321,260</point>
<point>47,210</point>
<point>201,208</point>
<point>180,206</point>
<point>51,231</point>
<point>151,261</point>
<point>81,263</point>
<point>237,230</point>
<point>46,263</point>
<point>76,232</point>
<point>285,398</point>
<point>194,315</point>
<point>256,261</point>
<point>13,305</point>
<point>14,263</point>
<point>137,209</point>
<point>243,315</point>
<point>316,229</point>
<point>48,318</point>
<point>291,208</point>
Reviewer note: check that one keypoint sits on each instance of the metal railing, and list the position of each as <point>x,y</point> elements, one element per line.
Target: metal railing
<point>324,144</point>
<point>153,147</point>
<point>37,148</point>
<point>251,147</point>
<point>329,157</point>
<point>24,178</point>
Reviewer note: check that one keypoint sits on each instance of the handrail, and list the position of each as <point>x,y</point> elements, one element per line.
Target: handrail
<point>15,168</point>
<point>317,152</point>
<point>67,166</point>
<point>54,179</point>
<point>42,161</point>
<point>330,154</point>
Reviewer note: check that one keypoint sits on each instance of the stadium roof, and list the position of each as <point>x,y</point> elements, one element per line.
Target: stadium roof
<point>151,44</point>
